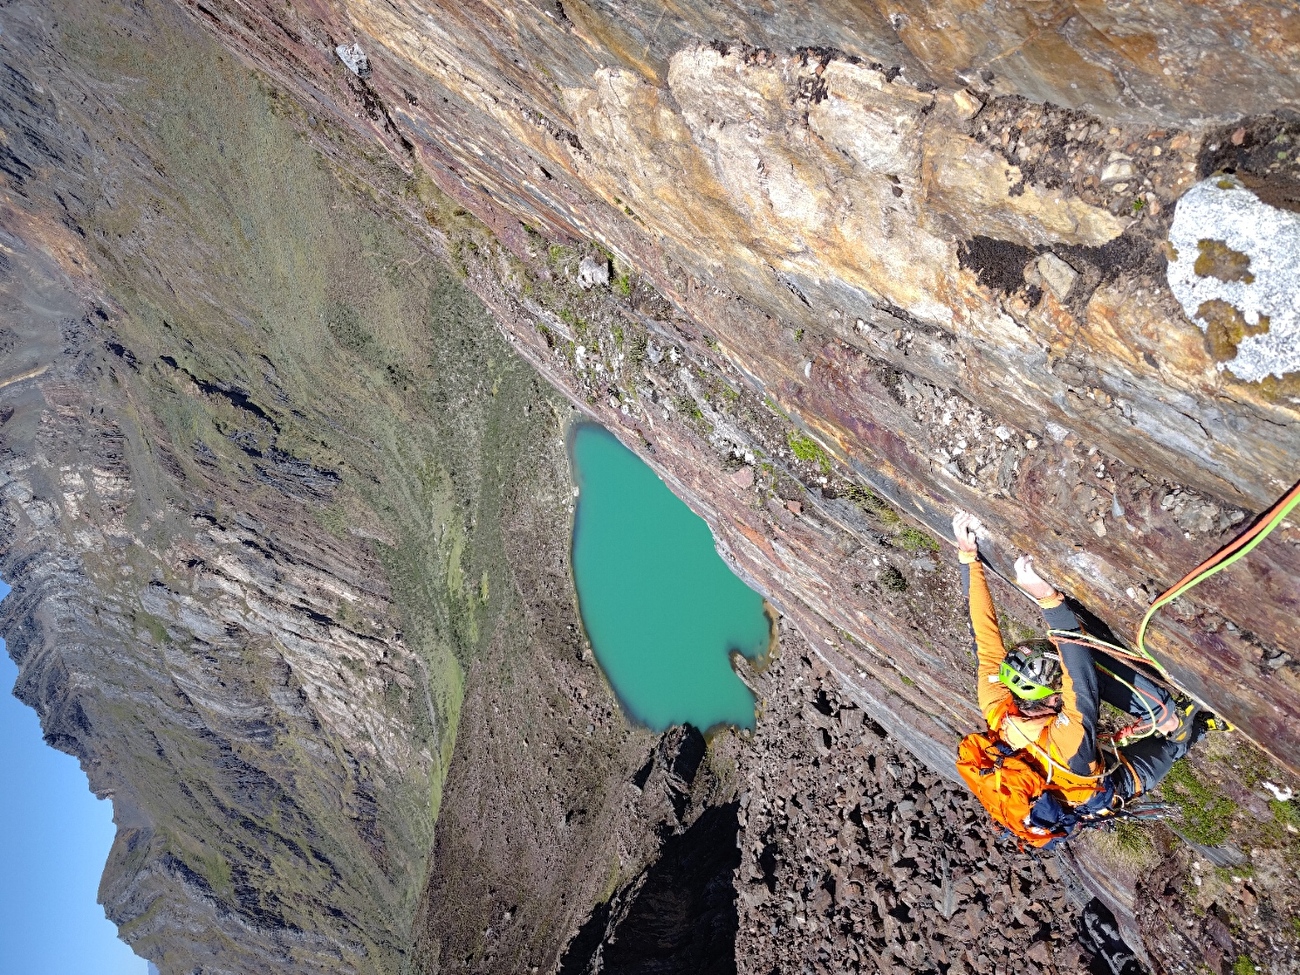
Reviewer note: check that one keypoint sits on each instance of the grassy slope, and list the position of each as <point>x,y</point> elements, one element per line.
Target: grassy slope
<point>229,246</point>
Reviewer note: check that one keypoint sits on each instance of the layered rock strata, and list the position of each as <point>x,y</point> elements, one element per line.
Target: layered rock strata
<point>943,257</point>
<point>264,460</point>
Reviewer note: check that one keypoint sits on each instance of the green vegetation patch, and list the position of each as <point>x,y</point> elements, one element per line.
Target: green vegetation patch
<point>1206,814</point>
<point>872,503</point>
<point>1129,844</point>
<point>1015,632</point>
<point>915,540</point>
<point>893,580</point>
<point>376,396</point>
<point>807,449</point>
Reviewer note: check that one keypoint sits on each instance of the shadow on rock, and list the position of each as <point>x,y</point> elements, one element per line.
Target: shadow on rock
<point>678,917</point>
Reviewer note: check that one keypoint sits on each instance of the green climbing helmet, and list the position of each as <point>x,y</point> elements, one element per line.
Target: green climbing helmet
<point>1031,670</point>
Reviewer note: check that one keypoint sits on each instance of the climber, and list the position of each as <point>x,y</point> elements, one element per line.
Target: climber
<point>1042,704</point>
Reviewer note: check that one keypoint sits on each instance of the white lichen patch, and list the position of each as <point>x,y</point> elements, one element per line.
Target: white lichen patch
<point>1266,292</point>
<point>355,59</point>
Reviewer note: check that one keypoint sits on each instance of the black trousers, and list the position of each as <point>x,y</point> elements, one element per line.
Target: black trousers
<point>1099,677</point>
<point>1148,758</point>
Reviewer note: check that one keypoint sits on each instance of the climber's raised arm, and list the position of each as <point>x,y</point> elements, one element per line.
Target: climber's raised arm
<point>1075,738</point>
<point>983,617</point>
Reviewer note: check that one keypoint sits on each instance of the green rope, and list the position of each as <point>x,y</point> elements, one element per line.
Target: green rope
<point>1088,639</point>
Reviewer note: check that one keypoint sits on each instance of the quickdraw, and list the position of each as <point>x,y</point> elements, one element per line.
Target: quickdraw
<point>1110,817</point>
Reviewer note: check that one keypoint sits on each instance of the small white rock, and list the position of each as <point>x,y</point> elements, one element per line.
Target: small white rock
<point>592,272</point>
<point>966,104</point>
<point>354,58</point>
<point>1282,794</point>
<point>1116,171</point>
<point>1057,275</point>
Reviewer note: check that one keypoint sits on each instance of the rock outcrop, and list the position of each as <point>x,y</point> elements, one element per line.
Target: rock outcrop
<point>935,236</point>
<point>832,269</point>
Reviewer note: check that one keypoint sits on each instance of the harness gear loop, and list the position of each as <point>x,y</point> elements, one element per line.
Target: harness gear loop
<point>1132,774</point>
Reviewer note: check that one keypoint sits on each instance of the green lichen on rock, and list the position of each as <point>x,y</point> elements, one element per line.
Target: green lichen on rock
<point>1215,259</point>
<point>1234,271</point>
<point>1225,327</point>
<point>808,450</point>
<point>872,503</point>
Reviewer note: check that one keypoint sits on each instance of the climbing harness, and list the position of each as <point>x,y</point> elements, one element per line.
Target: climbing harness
<point>1146,727</point>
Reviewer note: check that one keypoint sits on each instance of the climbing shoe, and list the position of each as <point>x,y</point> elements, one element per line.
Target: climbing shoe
<point>1194,722</point>
<point>1207,721</point>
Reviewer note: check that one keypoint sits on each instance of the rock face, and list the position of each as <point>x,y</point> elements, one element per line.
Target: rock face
<point>908,238</point>
<point>283,511</point>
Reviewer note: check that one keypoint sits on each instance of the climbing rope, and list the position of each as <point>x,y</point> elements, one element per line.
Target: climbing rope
<point>1131,733</point>
<point>1115,650</point>
<point>1220,560</point>
<point>1239,548</point>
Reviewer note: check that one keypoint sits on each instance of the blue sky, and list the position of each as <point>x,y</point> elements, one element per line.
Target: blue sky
<point>57,836</point>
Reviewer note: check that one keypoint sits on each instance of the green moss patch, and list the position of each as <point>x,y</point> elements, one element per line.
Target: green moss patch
<point>915,540</point>
<point>1206,814</point>
<point>872,503</point>
<point>808,450</point>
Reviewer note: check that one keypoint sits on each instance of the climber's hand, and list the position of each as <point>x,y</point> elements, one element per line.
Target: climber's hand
<point>1030,581</point>
<point>964,527</point>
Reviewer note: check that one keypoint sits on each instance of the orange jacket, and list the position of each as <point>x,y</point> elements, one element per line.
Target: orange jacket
<point>1052,741</point>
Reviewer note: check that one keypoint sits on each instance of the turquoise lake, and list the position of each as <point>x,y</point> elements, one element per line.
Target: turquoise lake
<point>663,612</point>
